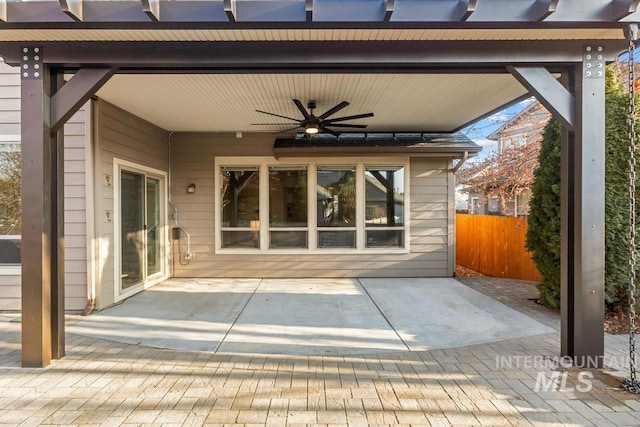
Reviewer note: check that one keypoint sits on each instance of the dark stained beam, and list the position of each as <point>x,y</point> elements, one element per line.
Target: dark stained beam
<point>308,10</point>
<point>72,8</point>
<point>544,8</point>
<point>467,7</point>
<point>623,8</point>
<point>310,56</point>
<point>548,91</point>
<point>152,9</point>
<point>323,13</point>
<point>74,93</point>
<point>388,12</point>
<point>230,10</point>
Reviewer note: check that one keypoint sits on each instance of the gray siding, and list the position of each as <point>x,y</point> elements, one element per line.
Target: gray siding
<point>75,220</point>
<point>121,135</point>
<point>192,160</point>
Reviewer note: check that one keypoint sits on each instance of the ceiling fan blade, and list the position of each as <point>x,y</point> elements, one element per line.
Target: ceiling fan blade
<point>289,130</point>
<point>302,109</point>
<point>340,125</point>
<point>333,110</point>
<point>326,129</point>
<point>342,119</point>
<point>271,124</point>
<point>277,115</point>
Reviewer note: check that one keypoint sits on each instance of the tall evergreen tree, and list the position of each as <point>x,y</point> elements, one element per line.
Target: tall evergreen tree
<point>543,237</point>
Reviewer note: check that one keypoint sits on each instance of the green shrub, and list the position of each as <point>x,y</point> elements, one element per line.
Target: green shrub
<point>543,237</point>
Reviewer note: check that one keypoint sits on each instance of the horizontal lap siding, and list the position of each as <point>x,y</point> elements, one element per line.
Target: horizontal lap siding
<point>75,218</point>
<point>74,196</point>
<point>192,161</point>
<point>9,132</point>
<point>124,136</point>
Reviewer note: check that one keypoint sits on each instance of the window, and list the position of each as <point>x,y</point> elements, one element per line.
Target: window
<point>384,205</point>
<point>288,215</point>
<point>10,204</point>
<point>240,207</point>
<point>336,207</point>
<point>326,206</point>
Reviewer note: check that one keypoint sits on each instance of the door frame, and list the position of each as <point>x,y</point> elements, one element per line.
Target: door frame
<point>118,166</point>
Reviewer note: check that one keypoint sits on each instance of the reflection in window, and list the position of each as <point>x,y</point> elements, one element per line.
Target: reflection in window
<point>336,196</point>
<point>336,204</point>
<point>288,207</point>
<point>384,205</point>
<point>10,203</point>
<point>240,204</point>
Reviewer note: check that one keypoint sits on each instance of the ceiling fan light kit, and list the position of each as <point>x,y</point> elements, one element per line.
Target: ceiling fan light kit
<point>313,124</point>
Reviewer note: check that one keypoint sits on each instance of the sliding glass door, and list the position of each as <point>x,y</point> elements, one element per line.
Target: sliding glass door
<point>141,229</point>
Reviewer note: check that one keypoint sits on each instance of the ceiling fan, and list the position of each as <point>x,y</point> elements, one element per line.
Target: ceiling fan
<point>313,124</point>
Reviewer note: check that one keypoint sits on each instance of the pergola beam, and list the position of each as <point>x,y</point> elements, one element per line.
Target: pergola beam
<point>230,10</point>
<point>467,7</point>
<point>72,8</point>
<point>308,10</point>
<point>152,9</point>
<point>298,13</point>
<point>623,8</point>
<point>312,56</point>
<point>74,93</point>
<point>548,91</point>
<point>544,8</point>
<point>389,8</point>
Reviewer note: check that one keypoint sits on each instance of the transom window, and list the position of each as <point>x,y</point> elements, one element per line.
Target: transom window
<point>323,205</point>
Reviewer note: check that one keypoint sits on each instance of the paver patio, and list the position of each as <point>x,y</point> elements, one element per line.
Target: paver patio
<point>102,382</point>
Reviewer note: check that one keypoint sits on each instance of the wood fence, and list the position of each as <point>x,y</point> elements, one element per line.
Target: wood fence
<point>494,246</point>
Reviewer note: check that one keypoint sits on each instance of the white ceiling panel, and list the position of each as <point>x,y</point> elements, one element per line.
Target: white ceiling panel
<point>227,102</point>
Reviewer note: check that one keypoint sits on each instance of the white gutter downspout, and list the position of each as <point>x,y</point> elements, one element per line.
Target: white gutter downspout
<point>464,158</point>
<point>90,209</point>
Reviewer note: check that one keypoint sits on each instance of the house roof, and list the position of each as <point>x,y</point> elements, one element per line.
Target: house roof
<point>433,144</point>
<point>532,118</point>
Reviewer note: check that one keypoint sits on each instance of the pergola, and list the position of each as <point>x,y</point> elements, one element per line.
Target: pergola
<point>557,49</point>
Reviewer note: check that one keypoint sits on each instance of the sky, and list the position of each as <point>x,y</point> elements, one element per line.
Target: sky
<point>479,131</point>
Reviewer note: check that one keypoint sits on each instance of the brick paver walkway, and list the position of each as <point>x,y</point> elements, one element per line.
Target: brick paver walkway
<point>106,383</point>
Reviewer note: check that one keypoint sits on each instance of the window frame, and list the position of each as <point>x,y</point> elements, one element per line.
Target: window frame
<point>311,164</point>
<point>11,269</point>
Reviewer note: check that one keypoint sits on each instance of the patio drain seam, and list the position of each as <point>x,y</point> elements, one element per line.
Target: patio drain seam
<point>238,316</point>
<point>382,313</point>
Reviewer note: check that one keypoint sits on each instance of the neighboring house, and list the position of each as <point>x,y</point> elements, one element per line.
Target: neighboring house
<point>144,203</point>
<point>509,173</point>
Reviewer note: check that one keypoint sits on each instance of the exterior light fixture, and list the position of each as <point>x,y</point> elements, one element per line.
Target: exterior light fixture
<point>311,129</point>
<point>191,188</point>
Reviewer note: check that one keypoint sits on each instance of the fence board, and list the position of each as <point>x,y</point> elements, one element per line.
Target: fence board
<point>494,246</point>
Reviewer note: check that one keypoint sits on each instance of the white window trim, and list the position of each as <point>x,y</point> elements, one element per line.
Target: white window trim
<point>311,164</point>
<point>10,269</point>
<point>118,166</point>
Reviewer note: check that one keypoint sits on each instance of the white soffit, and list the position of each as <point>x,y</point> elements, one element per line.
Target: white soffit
<point>227,102</point>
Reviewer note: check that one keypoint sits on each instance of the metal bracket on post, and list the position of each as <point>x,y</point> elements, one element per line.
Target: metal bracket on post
<point>593,62</point>
<point>31,63</point>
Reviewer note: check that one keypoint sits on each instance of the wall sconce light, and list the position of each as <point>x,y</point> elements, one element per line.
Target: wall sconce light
<point>191,188</point>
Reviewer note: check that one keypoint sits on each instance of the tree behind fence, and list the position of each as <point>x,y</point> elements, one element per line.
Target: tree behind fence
<point>494,246</point>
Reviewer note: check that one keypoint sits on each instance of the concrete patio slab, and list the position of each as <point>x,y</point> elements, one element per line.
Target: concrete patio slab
<point>193,314</point>
<point>439,313</point>
<point>309,317</point>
